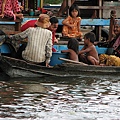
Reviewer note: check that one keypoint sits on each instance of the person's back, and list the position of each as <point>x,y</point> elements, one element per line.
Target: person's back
<point>39,46</point>
<point>37,39</point>
<point>73,48</point>
<point>88,53</point>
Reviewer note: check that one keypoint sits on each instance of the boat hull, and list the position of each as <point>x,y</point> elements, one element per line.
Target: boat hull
<point>19,68</point>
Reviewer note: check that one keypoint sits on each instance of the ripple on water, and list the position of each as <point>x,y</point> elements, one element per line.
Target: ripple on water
<point>48,99</point>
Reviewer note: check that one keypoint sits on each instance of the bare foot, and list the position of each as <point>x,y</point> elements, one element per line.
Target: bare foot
<point>2,15</point>
<point>20,15</point>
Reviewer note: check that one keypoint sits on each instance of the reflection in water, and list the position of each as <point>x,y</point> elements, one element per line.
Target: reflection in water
<point>51,98</point>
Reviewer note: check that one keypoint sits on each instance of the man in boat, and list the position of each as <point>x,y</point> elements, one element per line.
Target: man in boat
<point>32,23</point>
<point>39,45</point>
<point>53,27</point>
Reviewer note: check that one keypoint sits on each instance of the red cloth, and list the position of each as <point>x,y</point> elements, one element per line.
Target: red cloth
<point>54,50</point>
<point>30,23</point>
<point>117,43</point>
<point>53,36</point>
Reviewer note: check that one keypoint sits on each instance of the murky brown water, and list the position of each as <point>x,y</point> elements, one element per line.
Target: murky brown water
<point>50,98</point>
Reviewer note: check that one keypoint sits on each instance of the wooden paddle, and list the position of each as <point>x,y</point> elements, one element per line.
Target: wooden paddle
<point>71,61</point>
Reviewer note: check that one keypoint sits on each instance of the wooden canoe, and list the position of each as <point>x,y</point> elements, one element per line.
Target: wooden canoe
<point>20,68</point>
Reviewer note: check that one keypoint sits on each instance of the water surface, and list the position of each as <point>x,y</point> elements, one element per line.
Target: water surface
<point>84,98</point>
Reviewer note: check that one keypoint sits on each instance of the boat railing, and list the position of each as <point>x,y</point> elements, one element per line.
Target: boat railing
<point>10,26</point>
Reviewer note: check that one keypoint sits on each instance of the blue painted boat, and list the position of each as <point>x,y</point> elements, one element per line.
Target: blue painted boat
<point>20,68</point>
<point>7,50</point>
<point>60,65</point>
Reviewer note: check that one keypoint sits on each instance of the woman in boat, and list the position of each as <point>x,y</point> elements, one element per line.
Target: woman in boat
<point>71,25</point>
<point>88,54</point>
<point>39,45</point>
<point>73,49</point>
<point>10,9</point>
<point>115,43</point>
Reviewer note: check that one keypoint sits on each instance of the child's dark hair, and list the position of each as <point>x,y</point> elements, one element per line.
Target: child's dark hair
<point>91,36</point>
<point>53,20</point>
<point>73,44</point>
<point>74,7</point>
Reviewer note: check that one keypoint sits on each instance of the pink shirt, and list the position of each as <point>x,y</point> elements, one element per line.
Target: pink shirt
<point>11,7</point>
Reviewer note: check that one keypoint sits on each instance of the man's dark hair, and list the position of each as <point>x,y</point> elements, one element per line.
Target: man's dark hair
<point>74,7</point>
<point>53,20</point>
<point>91,36</point>
<point>73,44</point>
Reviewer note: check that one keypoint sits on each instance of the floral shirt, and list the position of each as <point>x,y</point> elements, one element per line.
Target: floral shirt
<point>74,31</point>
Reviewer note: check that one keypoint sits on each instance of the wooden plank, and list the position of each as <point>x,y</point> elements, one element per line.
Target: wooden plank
<point>85,7</point>
<point>112,22</point>
<point>99,7</point>
<point>92,22</point>
<point>7,20</point>
<point>84,22</point>
<point>72,61</point>
<point>16,23</point>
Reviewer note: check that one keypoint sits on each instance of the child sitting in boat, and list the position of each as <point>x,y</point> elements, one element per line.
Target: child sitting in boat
<point>10,9</point>
<point>71,25</point>
<point>73,49</point>
<point>88,54</point>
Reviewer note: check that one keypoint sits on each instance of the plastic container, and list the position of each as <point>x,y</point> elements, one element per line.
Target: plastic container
<point>55,58</point>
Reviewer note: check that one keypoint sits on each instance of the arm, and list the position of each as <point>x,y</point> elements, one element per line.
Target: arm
<point>79,23</point>
<point>3,7</point>
<point>20,36</point>
<point>84,51</point>
<point>66,22</point>
<point>65,51</point>
<point>49,50</point>
<point>56,40</point>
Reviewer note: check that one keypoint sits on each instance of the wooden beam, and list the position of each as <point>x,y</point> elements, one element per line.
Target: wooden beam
<point>7,20</point>
<point>111,27</point>
<point>99,7</point>
<point>72,61</point>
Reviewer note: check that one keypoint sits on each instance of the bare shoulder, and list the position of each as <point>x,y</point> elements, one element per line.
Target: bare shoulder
<point>92,46</point>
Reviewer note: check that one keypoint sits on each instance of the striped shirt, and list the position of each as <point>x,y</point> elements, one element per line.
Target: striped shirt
<point>39,46</point>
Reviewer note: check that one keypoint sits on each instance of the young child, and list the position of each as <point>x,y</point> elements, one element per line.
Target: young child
<point>71,25</point>
<point>88,54</point>
<point>73,49</point>
<point>10,9</point>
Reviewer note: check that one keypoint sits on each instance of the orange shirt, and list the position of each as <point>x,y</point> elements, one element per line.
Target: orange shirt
<point>74,31</point>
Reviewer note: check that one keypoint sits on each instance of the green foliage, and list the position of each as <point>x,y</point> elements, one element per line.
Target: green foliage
<point>52,1</point>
